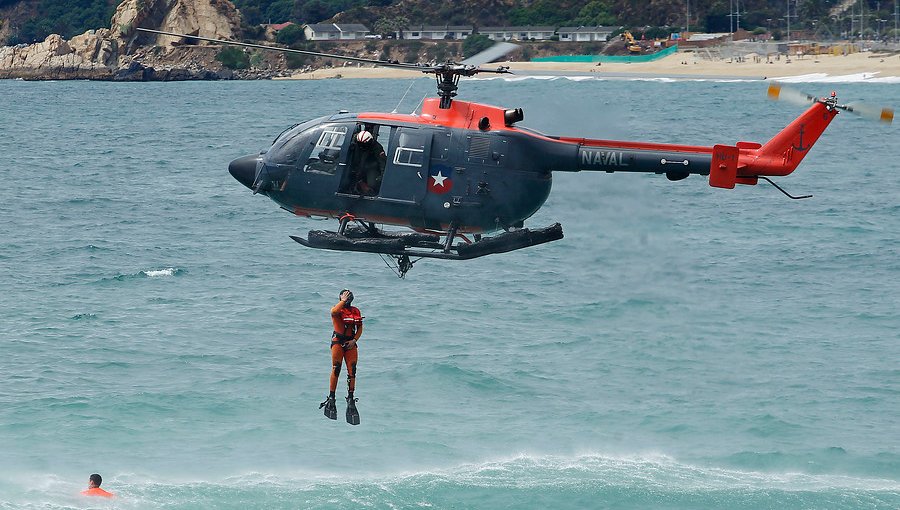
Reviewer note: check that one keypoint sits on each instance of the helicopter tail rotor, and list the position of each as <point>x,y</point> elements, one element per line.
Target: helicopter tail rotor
<point>779,92</point>
<point>870,112</point>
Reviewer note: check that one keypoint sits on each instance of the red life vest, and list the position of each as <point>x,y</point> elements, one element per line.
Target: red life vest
<point>97,491</point>
<point>351,320</point>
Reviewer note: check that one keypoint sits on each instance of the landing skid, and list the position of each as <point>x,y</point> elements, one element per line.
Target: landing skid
<point>405,245</point>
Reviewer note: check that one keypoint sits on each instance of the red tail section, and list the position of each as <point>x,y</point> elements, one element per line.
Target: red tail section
<point>778,157</point>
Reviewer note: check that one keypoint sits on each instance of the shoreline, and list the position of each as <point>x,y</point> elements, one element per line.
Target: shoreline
<point>684,66</point>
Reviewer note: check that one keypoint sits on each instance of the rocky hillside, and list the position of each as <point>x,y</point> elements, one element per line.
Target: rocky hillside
<point>32,20</point>
<point>117,52</point>
<point>121,53</point>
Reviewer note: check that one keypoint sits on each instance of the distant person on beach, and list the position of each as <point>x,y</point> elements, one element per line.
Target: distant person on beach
<point>94,487</point>
<point>347,322</point>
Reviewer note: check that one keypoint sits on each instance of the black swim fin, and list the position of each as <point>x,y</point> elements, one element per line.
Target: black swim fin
<point>352,413</point>
<point>330,408</point>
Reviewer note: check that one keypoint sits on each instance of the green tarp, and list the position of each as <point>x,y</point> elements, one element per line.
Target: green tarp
<point>612,59</point>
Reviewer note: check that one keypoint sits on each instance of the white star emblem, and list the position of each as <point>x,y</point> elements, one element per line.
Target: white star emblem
<point>439,179</point>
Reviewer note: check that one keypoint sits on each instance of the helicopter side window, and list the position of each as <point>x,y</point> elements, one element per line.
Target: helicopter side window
<point>325,155</point>
<point>410,150</point>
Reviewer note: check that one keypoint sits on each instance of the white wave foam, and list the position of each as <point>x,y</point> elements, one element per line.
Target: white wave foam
<point>158,273</point>
<point>867,77</point>
<point>536,471</point>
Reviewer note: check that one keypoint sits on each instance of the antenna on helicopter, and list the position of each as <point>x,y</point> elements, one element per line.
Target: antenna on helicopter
<point>446,74</point>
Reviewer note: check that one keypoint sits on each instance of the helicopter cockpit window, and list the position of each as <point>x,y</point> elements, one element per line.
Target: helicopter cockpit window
<point>290,144</point>
<point>410,150</point>
<point>325,155</point>
<point>288,152</point>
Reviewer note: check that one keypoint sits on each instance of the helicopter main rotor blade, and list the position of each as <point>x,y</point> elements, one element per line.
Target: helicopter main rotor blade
<point>493,53</point>
<point>382,63</point>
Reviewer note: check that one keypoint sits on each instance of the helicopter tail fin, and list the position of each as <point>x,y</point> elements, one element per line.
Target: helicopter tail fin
<point>788,148</point>
<point>745,162</point>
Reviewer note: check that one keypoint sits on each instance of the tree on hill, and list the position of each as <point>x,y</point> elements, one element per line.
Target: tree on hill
<point>389,25</point>
<point>67,18</point>
<point>290,35</point>
<point>476,43</point>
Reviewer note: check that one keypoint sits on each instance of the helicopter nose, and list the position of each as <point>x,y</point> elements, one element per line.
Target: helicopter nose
<point>244,170</point>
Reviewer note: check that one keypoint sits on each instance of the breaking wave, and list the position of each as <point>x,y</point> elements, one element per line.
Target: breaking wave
<point>522,481</point>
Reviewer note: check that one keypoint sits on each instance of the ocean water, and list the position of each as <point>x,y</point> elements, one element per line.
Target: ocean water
<point>682,347</point>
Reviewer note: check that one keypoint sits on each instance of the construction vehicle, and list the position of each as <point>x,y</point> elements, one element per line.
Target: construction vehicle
<point>633,47</point>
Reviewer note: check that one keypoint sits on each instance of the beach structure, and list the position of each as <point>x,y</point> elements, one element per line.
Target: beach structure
<point>518,33</point>
<point>436,32</point>
<point>585,34</point>
<point>334,31</point>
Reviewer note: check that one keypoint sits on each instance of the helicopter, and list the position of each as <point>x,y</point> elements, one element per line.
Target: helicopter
<point>457,170</point>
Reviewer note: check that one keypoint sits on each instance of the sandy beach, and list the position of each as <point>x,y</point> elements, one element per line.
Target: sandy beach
<point>686,65</point>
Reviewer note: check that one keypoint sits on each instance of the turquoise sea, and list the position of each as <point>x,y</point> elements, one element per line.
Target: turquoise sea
<point>683,347</point>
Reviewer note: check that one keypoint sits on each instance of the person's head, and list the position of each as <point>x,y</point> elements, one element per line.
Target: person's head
<point>364,138</point>
<point>95,480</point>
<point>349,297</point>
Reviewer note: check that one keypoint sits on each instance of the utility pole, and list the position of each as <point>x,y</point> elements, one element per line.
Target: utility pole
<point>687,17</point>
<point>734,16</point>
<point>731,17</point>
<point>862,16</point>
<point>788,18</point>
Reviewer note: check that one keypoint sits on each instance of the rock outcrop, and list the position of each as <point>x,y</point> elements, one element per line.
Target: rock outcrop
<point>86,56</point>
<point>122,53</point>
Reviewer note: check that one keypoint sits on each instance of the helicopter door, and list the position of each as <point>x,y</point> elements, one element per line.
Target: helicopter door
<point>406,170</point>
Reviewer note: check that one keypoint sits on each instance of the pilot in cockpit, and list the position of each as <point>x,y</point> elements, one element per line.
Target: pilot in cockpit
<point>368,163</point>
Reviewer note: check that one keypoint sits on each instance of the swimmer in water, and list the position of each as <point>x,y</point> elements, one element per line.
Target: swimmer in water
<point>94,487</point>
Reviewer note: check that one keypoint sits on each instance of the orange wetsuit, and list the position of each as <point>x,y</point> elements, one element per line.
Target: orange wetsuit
<point>97,491</point>
<point>348,326</point>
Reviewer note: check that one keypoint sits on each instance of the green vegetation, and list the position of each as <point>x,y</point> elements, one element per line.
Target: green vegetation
<point>299,11</point>
<point>475,43</point>
<point>388,26</point>
<point>67,18</point>
<point>440,52</point>
<point>544,12</point>
<point>411,50</point>
<point>257,58</point>
<point>299,60</point>
<point>290,34</point>
<point>233,58</point>
<point>72,17</point>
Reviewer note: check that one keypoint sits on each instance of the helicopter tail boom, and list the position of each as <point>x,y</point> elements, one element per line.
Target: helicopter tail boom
<point>726,165</point>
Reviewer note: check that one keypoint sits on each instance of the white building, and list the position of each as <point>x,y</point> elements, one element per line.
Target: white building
<point>517,33</point>
<point>437,32</point>
<point>334,32</point>
<point>585,34</point>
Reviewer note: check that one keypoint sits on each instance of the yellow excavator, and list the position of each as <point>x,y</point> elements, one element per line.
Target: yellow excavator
<point>632,45</point>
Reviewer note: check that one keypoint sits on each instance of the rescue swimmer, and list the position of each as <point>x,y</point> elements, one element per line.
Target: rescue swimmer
<point>347,322</point>
<point>93,489</point>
